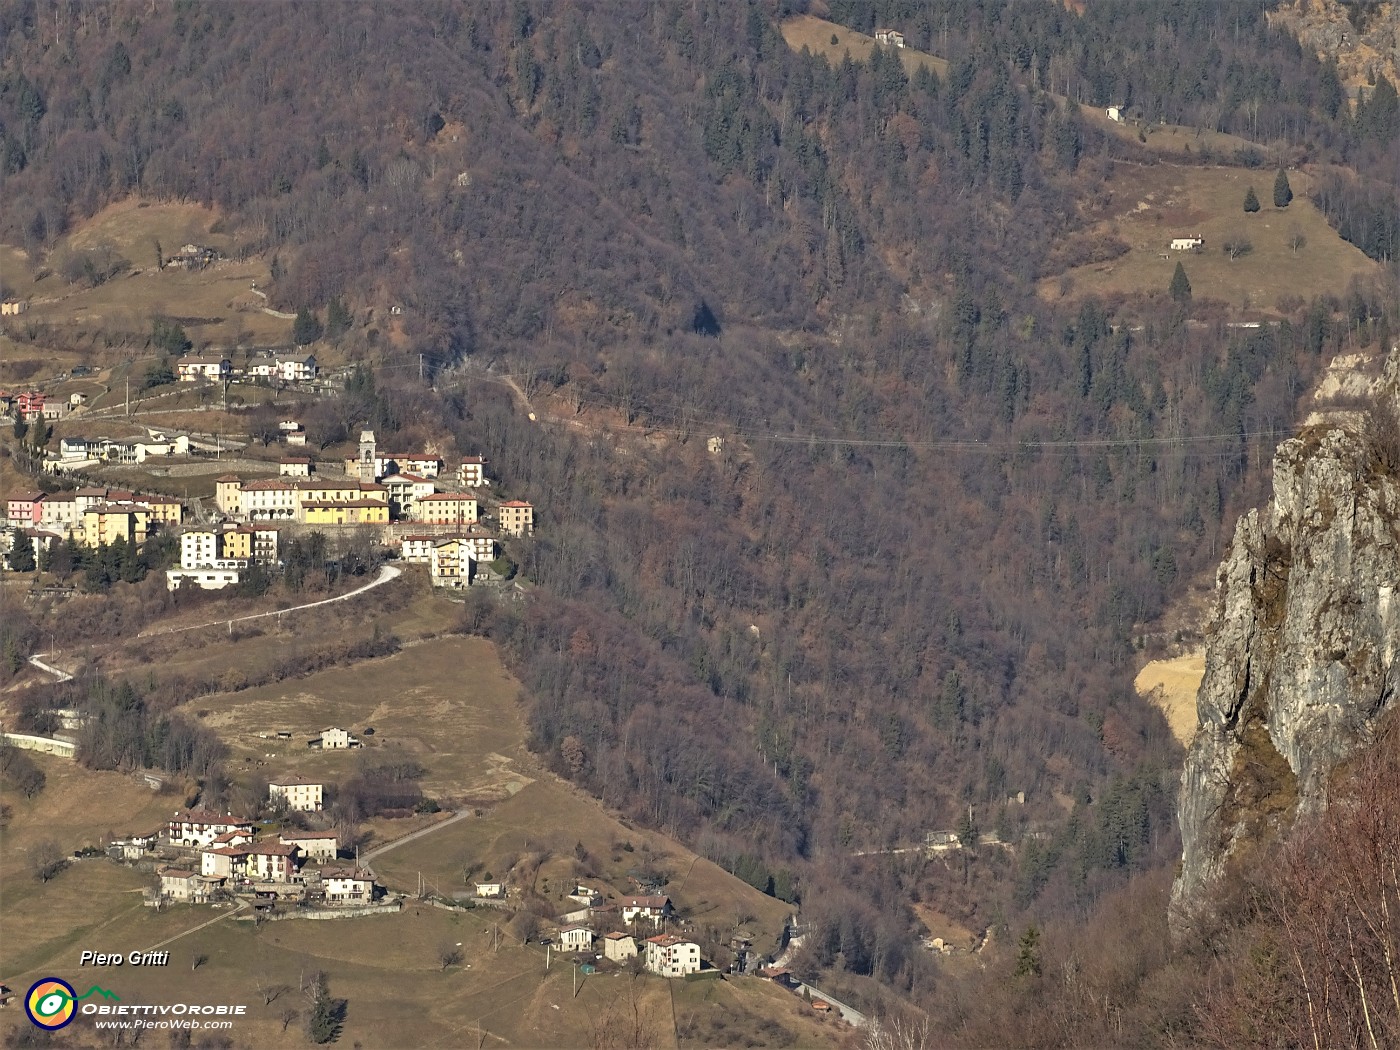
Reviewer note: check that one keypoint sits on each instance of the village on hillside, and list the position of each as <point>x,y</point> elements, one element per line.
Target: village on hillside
<point>289,866</point>
<point>424,510</point>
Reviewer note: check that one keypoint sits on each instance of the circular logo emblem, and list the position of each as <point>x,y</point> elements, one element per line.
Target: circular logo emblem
<point>51,1003</point>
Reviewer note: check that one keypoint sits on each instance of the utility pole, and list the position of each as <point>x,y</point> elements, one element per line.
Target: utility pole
<point>420,368</point>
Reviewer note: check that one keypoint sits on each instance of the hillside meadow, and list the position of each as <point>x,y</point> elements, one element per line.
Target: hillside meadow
<point>1295,254</point>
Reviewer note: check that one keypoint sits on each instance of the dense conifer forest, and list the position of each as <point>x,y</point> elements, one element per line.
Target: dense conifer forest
<point>910,585</point>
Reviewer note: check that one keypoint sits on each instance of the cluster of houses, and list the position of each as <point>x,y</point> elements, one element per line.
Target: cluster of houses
<point>90,516</point>
<point>214,367</point>
<point>664,954</point>
<point>224,856</point>
<point>31,406</point>
<point>215,558</point>
<point>379,488</point>
<point>445,502</point>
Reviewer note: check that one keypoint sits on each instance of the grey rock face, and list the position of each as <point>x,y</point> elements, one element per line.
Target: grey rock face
<point>1301,657</point>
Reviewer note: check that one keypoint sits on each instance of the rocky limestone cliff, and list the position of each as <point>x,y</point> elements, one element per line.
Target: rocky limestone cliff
<point>1301,657</point>
<point>1330,28</point>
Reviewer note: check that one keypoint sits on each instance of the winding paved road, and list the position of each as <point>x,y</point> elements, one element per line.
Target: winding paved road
<point>62,676</point>
<point>386,573</point>
<point>461,814</point>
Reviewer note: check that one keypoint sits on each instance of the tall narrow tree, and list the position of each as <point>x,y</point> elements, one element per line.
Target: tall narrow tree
<point>1283,193</point>
<point>1180,287</point>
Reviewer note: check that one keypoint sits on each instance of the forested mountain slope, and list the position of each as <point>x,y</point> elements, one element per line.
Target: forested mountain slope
<point>910,583</point>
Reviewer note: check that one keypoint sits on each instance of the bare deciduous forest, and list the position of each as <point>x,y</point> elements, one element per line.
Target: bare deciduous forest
<point>909,586</point>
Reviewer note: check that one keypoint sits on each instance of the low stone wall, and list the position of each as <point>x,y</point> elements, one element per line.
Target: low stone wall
<point>327,913</point>
<point>43,744</point>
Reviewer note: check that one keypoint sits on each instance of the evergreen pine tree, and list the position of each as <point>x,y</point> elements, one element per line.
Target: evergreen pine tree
<point>21,551</point>
<point>967,830</point>
<point>1180,287</point>
<point>1251,201</point>
<point>324,1014</point>
<point>338,319</point>
<point>1283,193</point>
<point>305,329</point>
<point>1028,953</point>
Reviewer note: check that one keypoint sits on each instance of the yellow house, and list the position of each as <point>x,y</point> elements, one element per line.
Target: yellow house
<point>347,512</point>
<point>226,493</point>
<point>236,543</point>
<point>318,491</point>
<point>517,518</point>
<point>106,522</point>
<point>164,510</point>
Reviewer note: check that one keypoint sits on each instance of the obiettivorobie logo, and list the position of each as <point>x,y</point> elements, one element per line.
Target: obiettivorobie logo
<point>52,1003</point>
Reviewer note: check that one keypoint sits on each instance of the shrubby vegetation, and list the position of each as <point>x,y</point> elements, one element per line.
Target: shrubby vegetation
<point>19,771</point>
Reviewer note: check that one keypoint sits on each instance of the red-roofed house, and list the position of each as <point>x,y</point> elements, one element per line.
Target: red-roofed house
<point>670,956</point>
<point>200,828</point>
<point>517,518</point>
<point>272,861</point>
<point>654,909</point>
<point>447,508</point>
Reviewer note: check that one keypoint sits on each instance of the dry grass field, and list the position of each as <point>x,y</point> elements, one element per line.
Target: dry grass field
<point>78,807</point>
<point>815,34</point>
<point>406,607</point>
<point>1146,206</point>
<point>451,704</point>
<point>1173,140</point>
<point>398,996</point>
<point>216,305</point>
<point>447,703</point>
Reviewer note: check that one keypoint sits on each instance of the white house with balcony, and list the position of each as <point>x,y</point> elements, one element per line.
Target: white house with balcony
<point>213,367</point>
<point>671,956</point>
